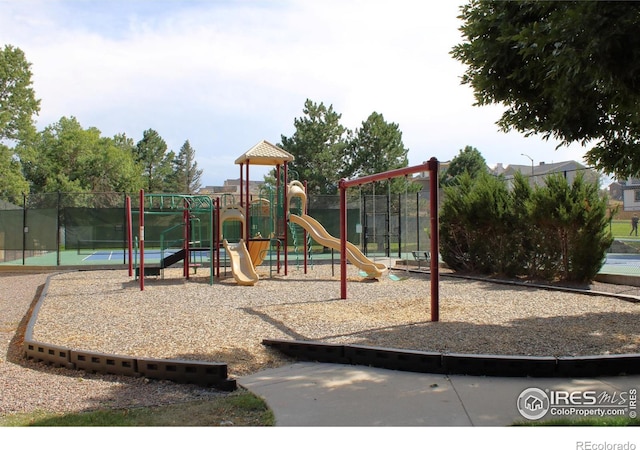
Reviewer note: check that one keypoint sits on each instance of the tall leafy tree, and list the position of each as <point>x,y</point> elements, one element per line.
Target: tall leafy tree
<point>186,175</point>
<point>377,147</point>
<point>318,145</point>
<point>12,182</point>
<point>468,160</point>
<point>568,70</point>
<point>18,106</point>
<point>18,103</point>
<point>152,153</point>
<point>65,157</point>
<point>60,157</point>
<point>114,168</point>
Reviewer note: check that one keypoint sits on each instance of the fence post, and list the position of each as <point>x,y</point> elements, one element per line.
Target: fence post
<point>24,225</point>
<point>58,211</point>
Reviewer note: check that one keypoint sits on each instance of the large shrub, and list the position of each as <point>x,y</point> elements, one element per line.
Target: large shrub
<point>574,229</point>
<point>553,232</point>
<point>477,223</point>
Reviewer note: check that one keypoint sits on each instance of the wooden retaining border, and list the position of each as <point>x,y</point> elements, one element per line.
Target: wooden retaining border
<point>460,364</point>
<point>201,373</point>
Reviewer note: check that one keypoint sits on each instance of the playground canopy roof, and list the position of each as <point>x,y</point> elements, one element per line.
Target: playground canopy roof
<point>265,154</point>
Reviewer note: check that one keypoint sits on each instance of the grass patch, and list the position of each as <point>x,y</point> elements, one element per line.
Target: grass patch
<point>621,229</point>
<point>584,422</point>
<point>240,408</point>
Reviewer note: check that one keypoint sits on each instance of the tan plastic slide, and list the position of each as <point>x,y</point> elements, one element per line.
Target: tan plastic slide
<point>322,237</point>
<point>241,265</point>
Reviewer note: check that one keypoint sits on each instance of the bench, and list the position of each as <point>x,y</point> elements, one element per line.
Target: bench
<point>421,256</point>
<point>149,271</point>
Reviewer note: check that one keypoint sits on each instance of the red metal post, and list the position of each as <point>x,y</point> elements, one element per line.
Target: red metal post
<point>216,239</point>
<point>435,239</point>
<point>277,219</point>
<point>212,242</point>
<point>185,245</point>
<point>141,239</point>
<point>343,239</point>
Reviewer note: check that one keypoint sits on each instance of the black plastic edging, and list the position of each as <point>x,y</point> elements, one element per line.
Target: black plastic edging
<point>201,373</point>
<point>463,364</point>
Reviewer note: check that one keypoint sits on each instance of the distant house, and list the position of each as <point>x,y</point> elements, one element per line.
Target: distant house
<point>631,194</point>
<point>538,174</point>
<point>616,190</point>
<point>230,190</point>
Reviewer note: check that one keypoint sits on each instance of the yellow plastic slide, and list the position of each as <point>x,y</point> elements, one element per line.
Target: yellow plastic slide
<point>241,265</point>
<point>322,237</point>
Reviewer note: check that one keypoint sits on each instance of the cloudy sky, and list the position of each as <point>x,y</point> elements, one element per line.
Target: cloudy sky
<point>227,74</point>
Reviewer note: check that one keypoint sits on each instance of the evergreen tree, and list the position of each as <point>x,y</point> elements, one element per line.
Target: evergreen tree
<point>573,221</point>
<point>318,145</point>
<point>553,232</point>
<point>377,147</point>
<point>151,152</point>
<point>186,175</point>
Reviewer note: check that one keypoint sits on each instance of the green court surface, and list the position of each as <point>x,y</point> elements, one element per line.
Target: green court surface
<point>615,263</point>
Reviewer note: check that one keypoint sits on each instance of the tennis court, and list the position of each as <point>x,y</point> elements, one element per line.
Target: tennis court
<point>121,256</point>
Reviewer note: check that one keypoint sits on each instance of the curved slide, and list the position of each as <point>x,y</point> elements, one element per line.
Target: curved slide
<point>241,265</point>
<point>322,237</point>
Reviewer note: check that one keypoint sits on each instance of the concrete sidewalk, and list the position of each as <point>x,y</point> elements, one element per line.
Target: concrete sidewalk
<point>321,394</point>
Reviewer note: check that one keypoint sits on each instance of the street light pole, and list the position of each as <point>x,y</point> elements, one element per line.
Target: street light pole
<point>531,164</point>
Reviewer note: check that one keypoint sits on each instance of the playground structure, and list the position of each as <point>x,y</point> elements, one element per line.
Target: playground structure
<point>245,251</point>
<point>230,226</point>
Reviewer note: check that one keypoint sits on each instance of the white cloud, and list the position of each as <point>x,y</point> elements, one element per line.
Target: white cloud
<point>227,75</point>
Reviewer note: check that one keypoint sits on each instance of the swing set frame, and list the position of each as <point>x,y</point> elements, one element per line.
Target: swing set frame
<point>432,166</point>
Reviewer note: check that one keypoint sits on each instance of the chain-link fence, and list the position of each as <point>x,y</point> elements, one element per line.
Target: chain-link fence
<point>60,229</point>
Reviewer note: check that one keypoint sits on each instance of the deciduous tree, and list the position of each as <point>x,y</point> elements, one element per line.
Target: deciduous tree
<point>568,70</point>
<point>468,160</point>
<point>18,103</point>
<point>18,106</point>
<point>65,157</point>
